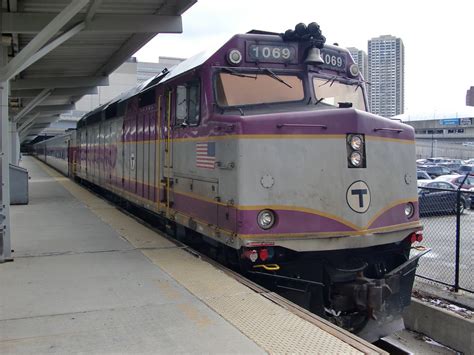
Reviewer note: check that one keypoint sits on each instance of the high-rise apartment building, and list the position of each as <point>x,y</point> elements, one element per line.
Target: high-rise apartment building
<point>360,58</point>
<point>470,96</point>
<point>386,75</point>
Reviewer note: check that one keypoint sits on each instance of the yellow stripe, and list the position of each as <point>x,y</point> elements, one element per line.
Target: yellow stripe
<point>198,197</point>
<point>265,136</point>
<point>394,140</point>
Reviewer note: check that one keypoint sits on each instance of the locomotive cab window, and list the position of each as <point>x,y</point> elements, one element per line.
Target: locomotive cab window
<point>188,98</point>
<point>237,89</point>
<point>334,93</point>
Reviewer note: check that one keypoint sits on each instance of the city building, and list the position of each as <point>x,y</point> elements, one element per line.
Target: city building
<point>386,75</point>
<point>470,97</point>
<point>360,58</point>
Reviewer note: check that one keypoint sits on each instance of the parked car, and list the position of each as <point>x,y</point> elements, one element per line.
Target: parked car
<point>466,169</point>
<point>422,175</point>
<point>457,180</point>
<point>434,202</point>
<point>435,170</point>
<point>437,160</point>
<point>453,167</point>
<point>456,161</point>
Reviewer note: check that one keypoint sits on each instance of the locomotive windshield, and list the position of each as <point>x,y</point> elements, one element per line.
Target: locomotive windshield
<point>332,92</point>
<point>236,89</point>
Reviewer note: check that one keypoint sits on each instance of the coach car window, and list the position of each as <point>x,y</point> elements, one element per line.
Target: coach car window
<point>237,90</point>
<point>332,92</point>
<point>187,104</point>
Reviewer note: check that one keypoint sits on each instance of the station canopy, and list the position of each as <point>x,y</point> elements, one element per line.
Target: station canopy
<point>61,50</point>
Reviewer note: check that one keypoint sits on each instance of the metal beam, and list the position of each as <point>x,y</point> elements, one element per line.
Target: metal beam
<point>21,22</point>
<point>92,10</point>
<point>55,108</point>
<point>133,44</point>
<point>51,101</point>
<point>27,122</point>
<point>31,105</point>
<point>59,82</point>
<point>47,118</point>
<point>57,93</point>
<point>48,32</point>
<point>43,51</point>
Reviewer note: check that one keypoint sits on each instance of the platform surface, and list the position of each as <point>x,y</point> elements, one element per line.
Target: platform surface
<point>88,278</point>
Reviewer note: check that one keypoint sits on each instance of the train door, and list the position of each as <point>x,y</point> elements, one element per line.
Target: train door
<point>167,181</point>
<point>195,174</point>
<point>70,158</point>
<point>139,157</point>
<point>159,149</point>
<point>130,142</point>
<point>109,145</point>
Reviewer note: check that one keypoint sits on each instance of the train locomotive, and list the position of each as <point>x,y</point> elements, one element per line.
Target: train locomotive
<point>265,151</point>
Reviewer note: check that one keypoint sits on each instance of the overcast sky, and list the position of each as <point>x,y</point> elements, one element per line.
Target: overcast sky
<point>438,37</point>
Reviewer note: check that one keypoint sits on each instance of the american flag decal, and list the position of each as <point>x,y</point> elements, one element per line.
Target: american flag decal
<point>206,155</point>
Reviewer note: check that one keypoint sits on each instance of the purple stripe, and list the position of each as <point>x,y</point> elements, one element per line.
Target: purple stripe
<point>395,215</point>
<point>290,222</point>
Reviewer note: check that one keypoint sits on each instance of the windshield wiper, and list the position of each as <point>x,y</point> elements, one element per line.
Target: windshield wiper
<point>319,100</point>
<point>276,77</point>
<point>236,73</point>
<point>332,80</point>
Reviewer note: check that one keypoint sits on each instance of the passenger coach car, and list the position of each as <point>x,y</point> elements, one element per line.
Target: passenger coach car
<point>264,150</point>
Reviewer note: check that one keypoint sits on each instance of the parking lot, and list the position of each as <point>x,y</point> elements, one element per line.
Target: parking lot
<point>440,235</point>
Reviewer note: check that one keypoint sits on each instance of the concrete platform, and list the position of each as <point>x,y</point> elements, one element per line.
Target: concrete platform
<point>88,278</point>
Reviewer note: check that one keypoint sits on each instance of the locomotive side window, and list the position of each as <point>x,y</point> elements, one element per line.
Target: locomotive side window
<point>245,89</point>
<point>188,98</point>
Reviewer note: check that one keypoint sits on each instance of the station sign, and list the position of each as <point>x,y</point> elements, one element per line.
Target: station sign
<point>450,122</point>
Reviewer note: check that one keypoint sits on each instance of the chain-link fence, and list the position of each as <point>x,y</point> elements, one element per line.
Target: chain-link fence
<point>448,219</point>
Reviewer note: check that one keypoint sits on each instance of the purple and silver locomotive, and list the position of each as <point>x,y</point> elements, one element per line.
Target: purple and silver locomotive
<point>265,150</point>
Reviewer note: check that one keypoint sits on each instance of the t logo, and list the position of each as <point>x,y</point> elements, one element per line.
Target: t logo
<point>358,197</point>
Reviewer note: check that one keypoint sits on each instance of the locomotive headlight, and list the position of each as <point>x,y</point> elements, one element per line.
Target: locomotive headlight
<point>356,159</point>
<point>234,57</point>
<point>354,70</point>
<point>409,210</point>
<point>266,219</point>
<point>356,142</point>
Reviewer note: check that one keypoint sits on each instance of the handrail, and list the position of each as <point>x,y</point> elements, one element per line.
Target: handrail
<point>398,130</point>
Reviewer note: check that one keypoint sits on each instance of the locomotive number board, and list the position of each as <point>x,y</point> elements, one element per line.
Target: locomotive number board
<point>271,53</point>
<point>333,60</point>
